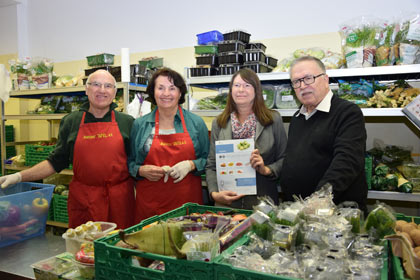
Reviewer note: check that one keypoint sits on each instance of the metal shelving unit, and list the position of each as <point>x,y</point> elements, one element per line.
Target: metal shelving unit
<point>382,73</point>
<point>37,93</point>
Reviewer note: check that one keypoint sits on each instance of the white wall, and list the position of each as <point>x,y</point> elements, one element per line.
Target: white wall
<point>70,30</point>
<point>8,29</point>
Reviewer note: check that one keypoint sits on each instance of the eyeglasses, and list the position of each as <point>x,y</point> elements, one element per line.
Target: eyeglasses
<point>307,80</point>
<point>245,85</point>
<point>99,85</point>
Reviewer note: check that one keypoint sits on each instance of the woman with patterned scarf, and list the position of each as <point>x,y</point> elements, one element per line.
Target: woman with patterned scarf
<point>246,116</point>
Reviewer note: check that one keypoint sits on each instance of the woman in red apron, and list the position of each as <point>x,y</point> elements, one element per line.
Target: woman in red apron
<point>160,190</point>
<point>98,191</point>
<point>155,198</point>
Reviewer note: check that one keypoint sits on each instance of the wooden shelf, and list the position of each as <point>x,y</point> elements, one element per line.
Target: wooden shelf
<point>20,168</point>
<point>57,224</point>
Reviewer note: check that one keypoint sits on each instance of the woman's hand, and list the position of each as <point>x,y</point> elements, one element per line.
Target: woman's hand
<point>257,163</point>
<point>226,197</point>
<point>151,172</point>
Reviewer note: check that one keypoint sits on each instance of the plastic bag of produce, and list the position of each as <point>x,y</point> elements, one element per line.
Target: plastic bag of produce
<point>315,52</point>
<point>283,65</point>
<point>333,60</point>
<point>407,38</point>
<point>64,81</point>
<point>269,94</point>
<point>217,102</point>
<point>286,97</point>
<point>359,38</point>
<point>383,48</point>
<point>380,221</point>
<point>68,104</point>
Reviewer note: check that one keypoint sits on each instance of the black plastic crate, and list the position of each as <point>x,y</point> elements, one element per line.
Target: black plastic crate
<point>207,60</point>
<point>115,71</point>
<point>231,46</point>
<point>91,70</point>
<point>203,71</point>
<point>229,69</point>
<point>256,46</point>
<point>254,55</point>
<point>231,58</point>
<point>237,35</point>
<point>271,61</point>
<point>258,67</point>
<point>138,80</point>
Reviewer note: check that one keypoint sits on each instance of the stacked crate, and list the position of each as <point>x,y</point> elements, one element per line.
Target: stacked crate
<point>225,54</point>
<point>10,137</point>
<point>206,54</point>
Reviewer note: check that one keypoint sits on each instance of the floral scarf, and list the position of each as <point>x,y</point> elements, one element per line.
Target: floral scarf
<point>245,130</point>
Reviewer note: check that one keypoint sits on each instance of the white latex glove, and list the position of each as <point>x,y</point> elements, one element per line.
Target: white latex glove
<point>180,170</point>
<point>11,179</point>
<point>166,168</point>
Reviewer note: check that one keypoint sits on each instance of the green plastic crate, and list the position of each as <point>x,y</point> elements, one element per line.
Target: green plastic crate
<point>60,208</point>
<point>100,59</point>
<point>36,153</point>
<point>152,63</point>
<point>205,49</point>
<point>112,262</point>
<point>50,216</point>
<point>396,266</point>
<point>224,271</point>
<point>368,170</point>
<point>10,133</point>
<point>397,269</point>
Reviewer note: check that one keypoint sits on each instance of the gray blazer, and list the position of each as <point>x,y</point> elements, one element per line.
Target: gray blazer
<point>270,141</point>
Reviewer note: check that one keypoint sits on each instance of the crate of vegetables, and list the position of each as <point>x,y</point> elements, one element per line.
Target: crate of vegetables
<point>37,153</point>
<point>23,211</point>
<point>405,244</point>
<point>100,59</point>
<point>158,240</point>
<point>224,270</point>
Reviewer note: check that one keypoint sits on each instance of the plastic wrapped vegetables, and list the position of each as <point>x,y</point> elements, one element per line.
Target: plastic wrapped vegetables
<point>359,39</point>
<point>383,49</point>
<point>407,41</point>
<point>217,102</point>
<point>380,221</point>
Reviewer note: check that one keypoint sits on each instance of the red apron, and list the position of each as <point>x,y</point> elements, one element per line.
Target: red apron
<point>101,189</point>
<point>155,198</point>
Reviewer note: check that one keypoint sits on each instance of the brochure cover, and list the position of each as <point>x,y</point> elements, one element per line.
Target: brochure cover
<point>412,111</point>
<point>234,171</point>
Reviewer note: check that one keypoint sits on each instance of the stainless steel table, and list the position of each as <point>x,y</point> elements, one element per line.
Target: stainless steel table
<point>16,259</point>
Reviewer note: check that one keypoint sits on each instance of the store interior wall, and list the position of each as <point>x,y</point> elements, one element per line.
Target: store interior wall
<point>68,31</point>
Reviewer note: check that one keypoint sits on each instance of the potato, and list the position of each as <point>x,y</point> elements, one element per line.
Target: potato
<point>417,249</point>
<point>399,224</point>
<point>418,254</point>
<point>415,236</point>
<point>408,238</point>
<point>408,227</point>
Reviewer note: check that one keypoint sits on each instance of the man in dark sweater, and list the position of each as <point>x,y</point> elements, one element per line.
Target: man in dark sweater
<point>326,140</point>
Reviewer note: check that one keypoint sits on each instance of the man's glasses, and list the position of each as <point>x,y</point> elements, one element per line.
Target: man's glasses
<point>307,80</point>
<point>99,85</point>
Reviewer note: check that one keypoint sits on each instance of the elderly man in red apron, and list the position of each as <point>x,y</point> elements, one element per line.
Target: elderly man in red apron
<point>95,140</point>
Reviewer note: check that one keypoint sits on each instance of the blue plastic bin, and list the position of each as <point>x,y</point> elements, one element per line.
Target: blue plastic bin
<point>23,211</point>
<point>209,37</point>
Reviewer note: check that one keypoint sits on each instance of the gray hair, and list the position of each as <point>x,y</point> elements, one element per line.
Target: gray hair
<point>307,58</point>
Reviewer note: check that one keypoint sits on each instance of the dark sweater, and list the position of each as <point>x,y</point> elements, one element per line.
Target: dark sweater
<point>328,147</point>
